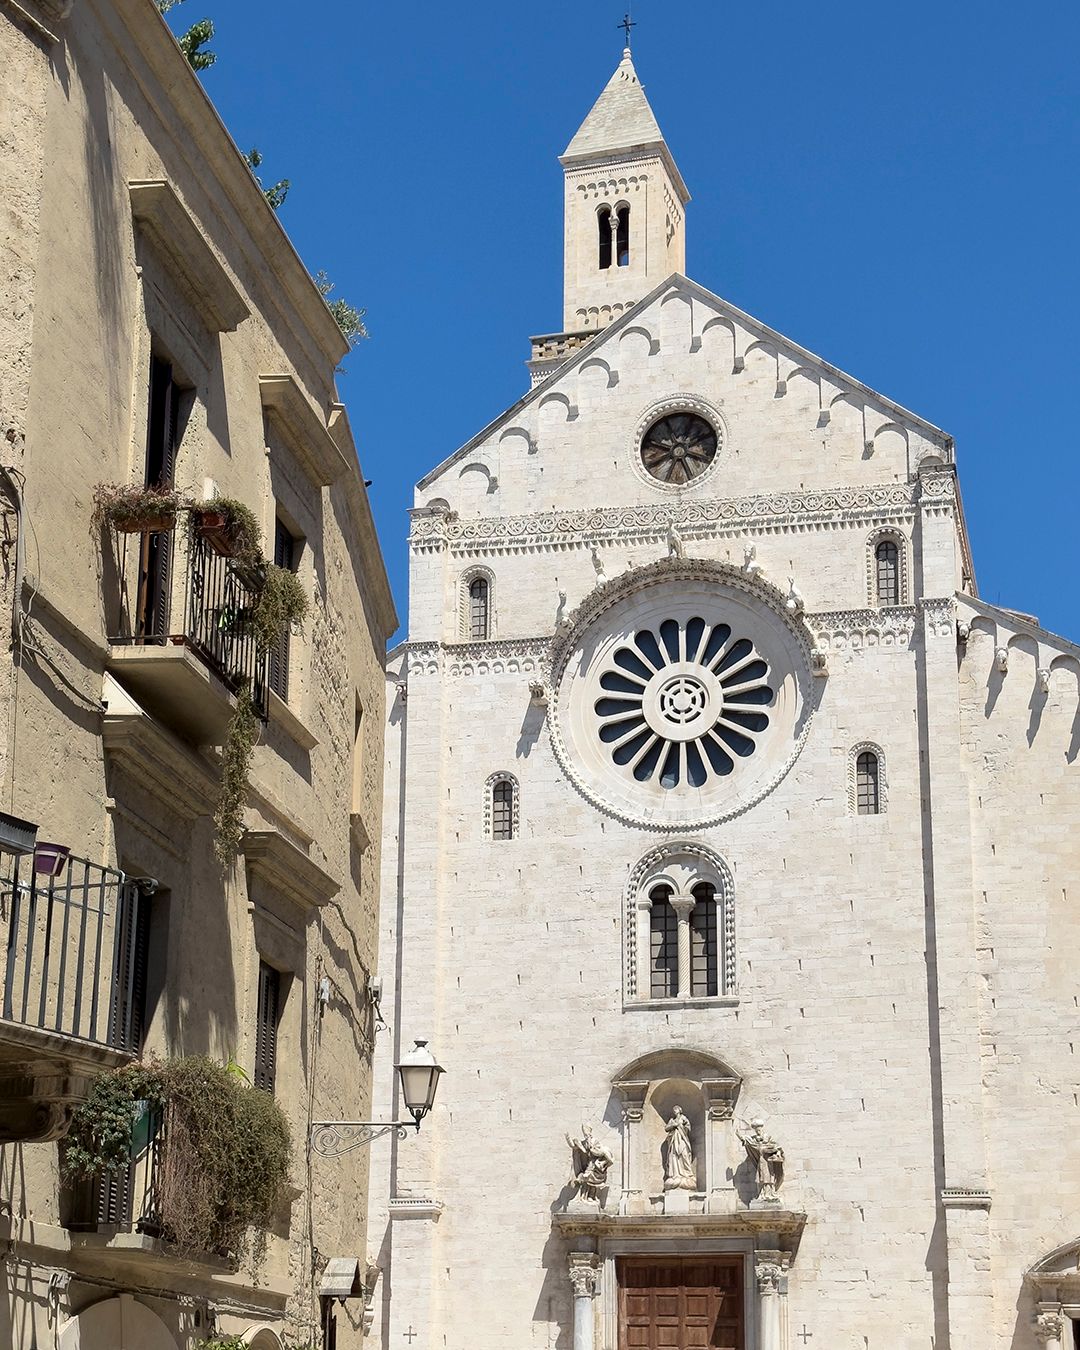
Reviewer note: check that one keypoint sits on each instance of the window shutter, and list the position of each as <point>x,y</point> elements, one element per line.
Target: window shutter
<point>266,1024</point>
<point>284,552</point>
<point>127,1010</point>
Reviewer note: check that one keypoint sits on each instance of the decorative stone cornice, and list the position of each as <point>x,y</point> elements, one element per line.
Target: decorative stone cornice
<point>303,428</point>
<point>965,1197</point>
<point>851,629</point>
<point>501,656</point>
<point>154,759</point>
<point>842,506</point>
<point>287,869</point>
<point>784,1224</point>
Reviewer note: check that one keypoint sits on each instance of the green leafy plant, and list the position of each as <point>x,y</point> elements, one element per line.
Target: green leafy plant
<point>194,40</point>
<point>276,193</point>
<point>241,737</point>
<point>225,1156</point>
<point>282,601</point>
<point>349,319</point>
<point>222,1343</point>
<point>238,534</point>
<point>134,507</point>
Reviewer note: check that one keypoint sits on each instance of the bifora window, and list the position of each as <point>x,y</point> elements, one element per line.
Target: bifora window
<point>681,934</point>
<point>682,704</point>
<point>622,236</point>
<point>603,225</point>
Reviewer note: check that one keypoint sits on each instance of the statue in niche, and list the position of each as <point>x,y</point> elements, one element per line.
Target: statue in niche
<point>590,1165</point>
<point>680,1174</point>
<point>768,1159</point>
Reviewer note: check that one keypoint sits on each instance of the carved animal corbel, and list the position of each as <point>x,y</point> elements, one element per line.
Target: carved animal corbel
<point>402,691</point>
<point>750,565</point>
<point>1001,660</point>
<point>675,545</point>
<point>819,661</point>
<point>560,611</point>
<point>598,566</point>
<point>1042,675</point>
<point>963,632</point>
<point>538,694</point>
<point>794,602</point>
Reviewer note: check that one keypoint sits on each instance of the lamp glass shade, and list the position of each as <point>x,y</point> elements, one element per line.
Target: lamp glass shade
<point>419,1079</point>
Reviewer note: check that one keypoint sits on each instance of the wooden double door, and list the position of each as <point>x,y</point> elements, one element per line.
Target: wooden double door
<point>681,1303</point>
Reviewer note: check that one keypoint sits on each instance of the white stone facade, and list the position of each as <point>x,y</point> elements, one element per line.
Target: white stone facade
<point>894,990</point>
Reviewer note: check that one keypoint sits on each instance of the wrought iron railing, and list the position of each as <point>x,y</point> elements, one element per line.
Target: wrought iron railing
<point>215,595</point>
<point>71,964</point>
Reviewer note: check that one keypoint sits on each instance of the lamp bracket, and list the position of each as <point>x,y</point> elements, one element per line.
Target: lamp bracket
<point>332,1138</point>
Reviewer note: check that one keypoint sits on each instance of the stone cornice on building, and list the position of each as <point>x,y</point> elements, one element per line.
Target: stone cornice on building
<point>288,869</point>
<point>895,502</point>
<point>304,429</point>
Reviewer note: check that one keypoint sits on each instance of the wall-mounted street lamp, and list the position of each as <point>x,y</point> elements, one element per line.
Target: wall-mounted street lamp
<point>419,1075</point>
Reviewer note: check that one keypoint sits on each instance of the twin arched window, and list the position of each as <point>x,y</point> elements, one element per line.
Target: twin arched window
<point>613,236</point>
<point>701,978</point>
<point>680,926</point>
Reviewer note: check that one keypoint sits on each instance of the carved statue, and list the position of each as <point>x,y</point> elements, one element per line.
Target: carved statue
<point>750,566</point>
<point>675,545</point>
<point>794,603</point>
<point>560,612</point>
<point>1001,660</point>
<point>538,693</point>
<point>598,566</point>
<point>768,1159</point>
<point>590,1164</point>
<point>1043,676</point>
<point>680,1174</point>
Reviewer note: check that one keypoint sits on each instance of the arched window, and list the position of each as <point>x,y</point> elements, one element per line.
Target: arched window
<point>603,226</point>
<point>887,572</point>
<point>501,809</point>
<point>622,236</point>
<point>479,609</point>
<point>663,945</point>
<point>704,972</point>
<point>867,784</point>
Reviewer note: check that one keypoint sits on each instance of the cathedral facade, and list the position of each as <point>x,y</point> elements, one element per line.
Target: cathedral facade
<point>730,861</point>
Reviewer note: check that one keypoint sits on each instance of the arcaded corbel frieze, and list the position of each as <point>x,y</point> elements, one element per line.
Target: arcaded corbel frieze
<point>850,629</point>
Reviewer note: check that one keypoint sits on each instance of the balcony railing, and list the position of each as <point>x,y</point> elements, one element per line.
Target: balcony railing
<point>214,596</point>
<point>72,965</point>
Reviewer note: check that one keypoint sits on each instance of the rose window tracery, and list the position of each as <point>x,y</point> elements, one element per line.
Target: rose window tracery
<point>683,702</point>
<point>678,448</point>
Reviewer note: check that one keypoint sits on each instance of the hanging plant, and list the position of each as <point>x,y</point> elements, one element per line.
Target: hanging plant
<point>241,737</point>
<point>229,527</point>
<point>132,508</point>
<point>282,602</point>
<point>225,1156</point>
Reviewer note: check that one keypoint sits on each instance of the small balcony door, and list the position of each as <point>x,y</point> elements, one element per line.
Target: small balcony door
<point>155,550</point>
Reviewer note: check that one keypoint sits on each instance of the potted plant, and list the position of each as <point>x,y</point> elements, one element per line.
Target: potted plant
<point>282,601</point>
<point>228,526</point>
<point>133,508</point>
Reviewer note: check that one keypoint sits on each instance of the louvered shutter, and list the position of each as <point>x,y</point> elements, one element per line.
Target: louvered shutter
<point>284,552</point>
<point>127,1008</point>
<point>266,1024</point>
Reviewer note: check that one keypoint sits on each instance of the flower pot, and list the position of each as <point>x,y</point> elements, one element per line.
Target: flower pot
<point>144,524</point>
<point>50,859</point>
<point>213,527</point>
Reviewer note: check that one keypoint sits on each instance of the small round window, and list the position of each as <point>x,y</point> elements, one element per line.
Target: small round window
<point>678,448</point>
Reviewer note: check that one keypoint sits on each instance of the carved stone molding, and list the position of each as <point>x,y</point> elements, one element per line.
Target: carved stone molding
<point>853,629</point>
<point>584,1271</point>
<point>504,656</point>
<point>768,1274</point>
<point>846,506</point>
<point>1049,1326</point>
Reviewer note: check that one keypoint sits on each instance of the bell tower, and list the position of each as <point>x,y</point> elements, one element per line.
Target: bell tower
<point>625,206</point>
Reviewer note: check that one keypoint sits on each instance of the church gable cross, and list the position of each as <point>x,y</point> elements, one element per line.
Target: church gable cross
<point>627,24</point>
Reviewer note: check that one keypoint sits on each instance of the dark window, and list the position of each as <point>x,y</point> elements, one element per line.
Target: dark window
<point>867,784</point>
<point>622,239</point>
<point>704,973</point>
<point>664,945</point>
<point>479,607</point>
<point>266,1027</point>
<point>155,550</point>
<point>285,555</point>
<point>128,1008</point>
<point>329,1324</point>
<point>887,560</point>
<point>502,809</point>
<point>603,225</point>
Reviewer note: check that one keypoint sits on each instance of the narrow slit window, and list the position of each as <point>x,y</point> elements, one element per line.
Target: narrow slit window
<point>502,809</point>
<point>704,971</point>
<point>267,1016</point>
<point>603,226</point>
<point>622,240</point>
<point>286,552</point>
<point>867,784</point>
<point>479,609</point>
<point>663,945</point>
<point>887,560</point>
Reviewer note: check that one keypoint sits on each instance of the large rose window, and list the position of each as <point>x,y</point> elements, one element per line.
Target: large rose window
<point>681,694</point>
<point>684,702</point>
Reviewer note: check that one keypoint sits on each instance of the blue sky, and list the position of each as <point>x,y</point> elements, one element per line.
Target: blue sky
<point>894,187</point>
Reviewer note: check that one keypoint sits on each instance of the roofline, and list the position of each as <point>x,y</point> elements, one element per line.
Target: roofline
<point>1012,619</point>
<point>625,320</point>
<point>616,154</point>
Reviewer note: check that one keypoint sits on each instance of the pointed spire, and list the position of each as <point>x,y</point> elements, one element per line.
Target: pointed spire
<point>621,118</point>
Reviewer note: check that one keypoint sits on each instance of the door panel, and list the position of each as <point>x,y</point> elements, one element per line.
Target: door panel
<point>685,1303</point>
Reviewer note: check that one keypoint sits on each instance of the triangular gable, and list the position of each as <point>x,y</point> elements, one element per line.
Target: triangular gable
<point>680,285</point>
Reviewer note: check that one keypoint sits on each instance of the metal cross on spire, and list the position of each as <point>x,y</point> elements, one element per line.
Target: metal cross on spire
<point>627,24</point>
